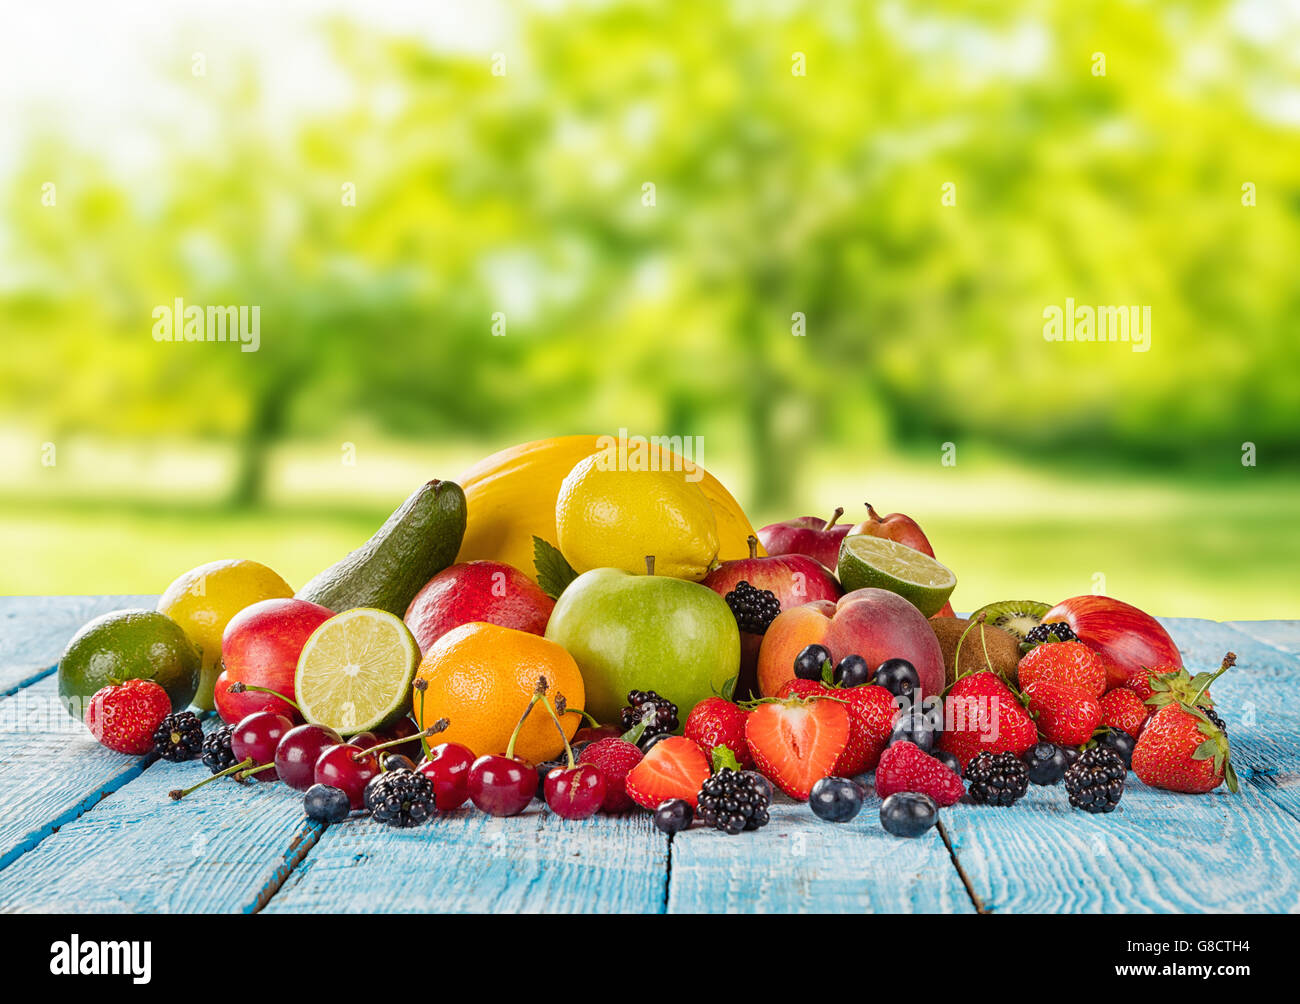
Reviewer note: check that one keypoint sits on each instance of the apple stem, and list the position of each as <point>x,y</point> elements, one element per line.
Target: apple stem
<point>239,688</point>
<point>752,541</point>
<point>649,564</point>
<point>835,516</point>
<point>176,794</point>
<point>538,693</point>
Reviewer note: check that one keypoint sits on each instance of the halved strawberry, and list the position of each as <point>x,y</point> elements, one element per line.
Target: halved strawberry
<point>674,768</point>
<point>796,743</point>
<point>872,711</point>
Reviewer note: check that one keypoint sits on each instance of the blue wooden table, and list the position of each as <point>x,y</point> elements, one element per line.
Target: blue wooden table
<point>85,829</point>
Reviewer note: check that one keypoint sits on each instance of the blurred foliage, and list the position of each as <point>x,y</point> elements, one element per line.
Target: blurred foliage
<point>774,194</point>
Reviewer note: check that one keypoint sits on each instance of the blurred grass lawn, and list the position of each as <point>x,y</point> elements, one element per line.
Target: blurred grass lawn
<point>1223,549</point>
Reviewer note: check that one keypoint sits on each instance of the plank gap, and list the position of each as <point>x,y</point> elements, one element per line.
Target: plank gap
<point>975,901</point>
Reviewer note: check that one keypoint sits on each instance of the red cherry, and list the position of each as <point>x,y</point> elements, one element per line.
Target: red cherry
<point>256,738</point>
<point>448,768</point>
<point>575,792</point>
<point>364,740</point>
<point>502,786</point>
<point>297,753</point>
<point>339,767</point>
<point>403,728</point>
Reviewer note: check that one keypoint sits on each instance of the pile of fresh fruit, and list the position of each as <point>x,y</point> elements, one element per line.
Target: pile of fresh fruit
<point>603,631</point>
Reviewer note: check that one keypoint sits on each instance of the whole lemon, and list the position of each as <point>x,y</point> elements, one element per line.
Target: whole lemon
<point>611,518</point>
<point>203,599</point>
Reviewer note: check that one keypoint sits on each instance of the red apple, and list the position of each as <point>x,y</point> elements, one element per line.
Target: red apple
<point>795,579</point>
<point>817,538</point>
<point>1127,639</point>
<point>904,530</point>
<point>260,648</point>
<point>490,591</point>
<point>873,623</point>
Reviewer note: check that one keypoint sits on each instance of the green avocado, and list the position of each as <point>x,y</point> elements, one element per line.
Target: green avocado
<point>416,542</point>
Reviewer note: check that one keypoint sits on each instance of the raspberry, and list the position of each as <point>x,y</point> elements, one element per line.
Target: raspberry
<point>907,767</point>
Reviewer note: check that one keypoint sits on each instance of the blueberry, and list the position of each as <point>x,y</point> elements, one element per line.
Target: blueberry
<point>836,799</point>
<point>325,804</point>
<point>808,663</point>
<point>544,768</point>
<point>396,761</point>
<point>852,671</point>
<point>1071,753</point>
<point>647,745</point>
<point>907,814</point>
<point>915,726</point>
<point>1046,763</point>
<point>899,677</point>
<point>1122,743</point>
<point>763,782</point>
<point>674,815</point>
<point>949,760</point>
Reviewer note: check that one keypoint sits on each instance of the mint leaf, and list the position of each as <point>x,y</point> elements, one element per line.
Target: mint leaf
<point>723,757</point>
<point>553,572</point>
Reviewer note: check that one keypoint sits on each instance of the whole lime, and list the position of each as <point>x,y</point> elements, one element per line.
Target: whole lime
<point>128,645</point>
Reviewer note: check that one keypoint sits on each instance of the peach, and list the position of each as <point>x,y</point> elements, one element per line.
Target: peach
<point>873,623</point>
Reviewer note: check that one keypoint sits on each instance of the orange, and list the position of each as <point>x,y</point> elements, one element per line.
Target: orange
<point>480,677</point>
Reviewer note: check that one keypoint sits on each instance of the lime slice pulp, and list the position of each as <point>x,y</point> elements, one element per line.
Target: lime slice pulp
<point>355,672</point>
<point>867,561</point>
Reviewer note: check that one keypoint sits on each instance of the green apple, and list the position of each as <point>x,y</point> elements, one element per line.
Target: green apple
<point>645,632</point>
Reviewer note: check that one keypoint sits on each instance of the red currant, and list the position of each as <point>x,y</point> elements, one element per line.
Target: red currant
<point>575,792</point>
<point>448,768</point>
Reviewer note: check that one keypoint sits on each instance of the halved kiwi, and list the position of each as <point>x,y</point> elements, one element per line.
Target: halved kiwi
<point>1015,617</point>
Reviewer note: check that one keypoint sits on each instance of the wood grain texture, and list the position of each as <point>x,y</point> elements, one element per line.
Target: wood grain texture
<point>1284,635</point>
<point>224,849</point>
<point>51,769</point>
<point>799,864</point>
<point>468,862</point>
<point>35,629</point>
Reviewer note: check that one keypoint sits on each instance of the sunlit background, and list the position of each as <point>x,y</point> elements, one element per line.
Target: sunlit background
<point>910,185</point>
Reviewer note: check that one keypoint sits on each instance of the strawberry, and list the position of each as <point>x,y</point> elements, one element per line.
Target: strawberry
<point>872,711</point>
<point>797,742</point>
<point>674,768</point>
<point>1066,715</point>
<point>907,767</point>
<point>123,716</point>
<point>615,757</point>
<point>1065,663</point>
<point>982,714</point>
<point>1122,708</point>
<point>715,721</point>
<point>1184,747</point>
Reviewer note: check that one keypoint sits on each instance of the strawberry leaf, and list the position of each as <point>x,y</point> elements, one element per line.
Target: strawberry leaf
<point>554,573</point>
<point>1206,750</point>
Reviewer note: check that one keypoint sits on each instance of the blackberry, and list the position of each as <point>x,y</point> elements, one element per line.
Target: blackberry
<point>1045,633</point>
<point>1213,716</point>
<point>662,722</point>
<point>731,801</point>
<point>179,737</point>
<point>1096,780</point>
<point>400,798</point>
<point>996,778</point>
<point>754,609</point>
<point>217,754</point>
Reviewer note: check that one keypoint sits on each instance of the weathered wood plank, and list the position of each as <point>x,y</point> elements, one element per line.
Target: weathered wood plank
<point>223,850</point>
<point>797,864</point>
<point>35,629</point>
<point>1280,634</point>
<point>51,769</point>
<point>469,862</point>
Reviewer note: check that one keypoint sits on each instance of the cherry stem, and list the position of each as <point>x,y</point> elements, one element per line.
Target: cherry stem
<point>538,693</point>
<point>439,726</point>
<point>422,685</point>
<point>239,688</point>
<point>253,770</point>
<point>176,794</point>
<point>835,517</point>
<point>568,750</point>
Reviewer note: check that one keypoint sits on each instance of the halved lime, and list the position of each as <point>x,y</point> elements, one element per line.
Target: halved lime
<point>886,564</point>
<point>355,672</point>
